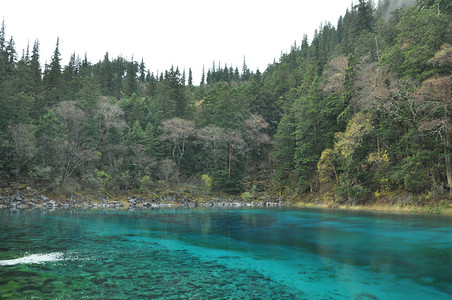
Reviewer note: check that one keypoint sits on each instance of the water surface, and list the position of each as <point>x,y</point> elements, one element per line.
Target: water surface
<point>224,254</point>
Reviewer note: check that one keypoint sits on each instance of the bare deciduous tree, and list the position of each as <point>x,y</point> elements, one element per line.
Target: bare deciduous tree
<point>111,115</point>
<point>373,86</point>
<point>76,155</point>
<point>254,136</point>
<point>71,116</point>
<point>177,131</point>
<point>334,75</point>
<point>141,160</point>
<point>22,145</point>
<point>436,93</point>
<point>235,142</point>
<point>76,151</point>
<point>169,170</point>
<point>213,140</point>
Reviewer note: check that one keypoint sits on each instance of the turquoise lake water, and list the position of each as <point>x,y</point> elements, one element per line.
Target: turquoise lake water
<point>224,254</point>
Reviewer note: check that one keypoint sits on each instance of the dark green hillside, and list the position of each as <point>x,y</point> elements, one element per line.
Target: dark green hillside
<point>361,113</point>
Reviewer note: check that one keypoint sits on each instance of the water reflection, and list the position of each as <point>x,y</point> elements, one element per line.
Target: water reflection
<point>318,254</point>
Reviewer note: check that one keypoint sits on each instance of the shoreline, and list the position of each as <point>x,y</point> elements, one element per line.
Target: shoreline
<point>386,208</point>
<point>29,198</point>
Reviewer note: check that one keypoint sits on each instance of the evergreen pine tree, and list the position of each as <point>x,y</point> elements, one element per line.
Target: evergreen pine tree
<point>183,78</point>
<point>106,76</point>
<point>11,52</point>
<point>246,73</point>
<point>203,76</point>
<point>132,86</point>
<point>364,18</point>
<point>52,78</point>
<point>142,71</point>
<point>190,78</point>
<point>151,140</point>
<point>85,68</point>
<point>118,71</point>
<point>49,138</point>
<point>2,37</point>
<point>137,134</point>
<point>35,68</point>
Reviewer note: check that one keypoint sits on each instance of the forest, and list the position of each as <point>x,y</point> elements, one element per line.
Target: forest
<point>360,113</point>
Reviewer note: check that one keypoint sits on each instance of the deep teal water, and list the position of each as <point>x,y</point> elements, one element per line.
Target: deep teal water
<point>224,254</point>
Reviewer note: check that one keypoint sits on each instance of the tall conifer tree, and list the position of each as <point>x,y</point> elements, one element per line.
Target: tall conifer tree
<point>52,78</point>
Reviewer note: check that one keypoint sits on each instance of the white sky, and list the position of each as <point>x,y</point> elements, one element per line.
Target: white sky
<point>168,32</point>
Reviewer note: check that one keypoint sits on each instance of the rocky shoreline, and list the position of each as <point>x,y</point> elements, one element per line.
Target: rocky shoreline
<point>22,201</point>
<point>24,197</point>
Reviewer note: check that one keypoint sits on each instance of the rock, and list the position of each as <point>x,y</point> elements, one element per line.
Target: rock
<point>17,197</point>
<point>169,198</point>
<point>5,201</point>
<point>50,204</point>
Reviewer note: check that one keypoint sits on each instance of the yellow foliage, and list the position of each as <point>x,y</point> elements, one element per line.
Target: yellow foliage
<point>348,141</point>
<point>207,180</point>
<point>384,183</point>
<point>325,165</point>
<point>378,157</point>
<point>377,194</point>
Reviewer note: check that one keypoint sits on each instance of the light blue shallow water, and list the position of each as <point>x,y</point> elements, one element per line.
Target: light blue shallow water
<point>224,254</point>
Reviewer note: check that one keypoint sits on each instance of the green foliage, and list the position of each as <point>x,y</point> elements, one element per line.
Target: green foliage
<point>52,79</point>
<point>20,107</point>
<point>353,193</point>
<point>145,183</point>
<point>41,174</point>
<point>131,78</point>
<point>91,181</point>
<point>229,184</point>
<point>415,175</point>
<point>104,177</point>
<point>364,17</point>
<point>151,141</point>
<point>137,134</point>
<point>88,95</point>
<point>421,33</point>
<point>222,107</point>
<point>49,141</point>
<point>246,196</point>
<point>316,119</point>
<point>284,147</point>
<point>208,182</point>
<point>364,125</point>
